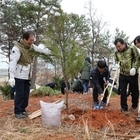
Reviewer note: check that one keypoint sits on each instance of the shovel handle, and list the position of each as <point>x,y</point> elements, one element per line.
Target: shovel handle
<point>112,85</point>
<point>103,96</point>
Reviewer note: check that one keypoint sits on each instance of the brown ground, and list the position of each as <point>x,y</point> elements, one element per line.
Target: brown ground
<point>107,123</point>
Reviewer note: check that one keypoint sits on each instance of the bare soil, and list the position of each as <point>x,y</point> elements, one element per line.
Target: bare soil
<point>89,124</point>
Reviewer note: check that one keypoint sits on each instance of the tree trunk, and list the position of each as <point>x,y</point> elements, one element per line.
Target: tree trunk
<point>34,71</point>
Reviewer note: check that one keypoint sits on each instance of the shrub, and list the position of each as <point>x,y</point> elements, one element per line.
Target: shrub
<point>44,91</point>
<point>113,93</point>
<point>6,90</point>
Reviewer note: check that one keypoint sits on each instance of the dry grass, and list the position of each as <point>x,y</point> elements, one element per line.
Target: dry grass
<point>26,129</point>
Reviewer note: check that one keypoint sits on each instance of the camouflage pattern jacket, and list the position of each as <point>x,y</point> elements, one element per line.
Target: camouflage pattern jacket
<point>128,58</point>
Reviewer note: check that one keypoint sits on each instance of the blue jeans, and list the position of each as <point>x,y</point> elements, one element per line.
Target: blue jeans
<point>85,85</point>
<point>22,88</point>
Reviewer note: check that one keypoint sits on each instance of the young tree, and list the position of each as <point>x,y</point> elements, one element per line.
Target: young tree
<point>67,37</point>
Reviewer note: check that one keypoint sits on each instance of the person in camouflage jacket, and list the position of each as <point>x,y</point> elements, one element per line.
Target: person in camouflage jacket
<point>127,59</point>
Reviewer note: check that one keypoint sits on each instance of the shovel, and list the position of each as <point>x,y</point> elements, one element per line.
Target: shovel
<point>99,106</point>
<point>138,118</point>
<point>112,85</point>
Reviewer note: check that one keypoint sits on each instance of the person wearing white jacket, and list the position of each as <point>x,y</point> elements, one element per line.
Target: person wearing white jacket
<point>20,71</point>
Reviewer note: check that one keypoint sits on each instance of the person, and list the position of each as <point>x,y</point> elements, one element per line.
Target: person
<point>62,86</point>
<point>99,78</point>
<point>51,85</point>
<point>137,42</point>
<point>85,74</point>
<point>20,71</point>
<point>77,86</point>
<point>127,59</point>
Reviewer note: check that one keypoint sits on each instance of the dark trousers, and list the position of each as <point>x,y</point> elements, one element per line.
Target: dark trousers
<point>133,83</point>
<point>95,93</point>
<point>62,90</point>
<point>22,88</point>
<point>78,89</point>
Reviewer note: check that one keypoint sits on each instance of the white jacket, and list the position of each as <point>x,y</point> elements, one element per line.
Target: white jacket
<point>17,70</point>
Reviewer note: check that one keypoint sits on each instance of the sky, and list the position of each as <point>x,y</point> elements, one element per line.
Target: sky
<point>124,14</point>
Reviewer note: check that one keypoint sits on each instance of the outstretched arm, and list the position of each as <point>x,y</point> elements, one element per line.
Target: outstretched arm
<point>41,49</point>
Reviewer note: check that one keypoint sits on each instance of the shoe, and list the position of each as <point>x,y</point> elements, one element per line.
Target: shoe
<point>124,110</point>
<point>20,116</point>
<point>26,113</point>
<point>134,109</point>
<point>95,104</point>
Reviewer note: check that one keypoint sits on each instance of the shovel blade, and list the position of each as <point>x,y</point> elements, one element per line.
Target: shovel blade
<point>138,119</point>
<point>98,107</point>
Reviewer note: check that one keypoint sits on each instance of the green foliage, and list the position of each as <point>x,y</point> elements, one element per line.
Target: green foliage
<point>10,26</point>
<point>67,36</point>
<point>121,34</point>
<point>112,93</point>
<point>44,91</point>
<point>22,129</point>
<point>57,80</point>
<point>6,90</point>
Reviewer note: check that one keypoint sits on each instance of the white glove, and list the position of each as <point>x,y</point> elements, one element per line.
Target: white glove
<point>132,71</point>
<point>117,66</point>
<point>41,48</point>
<point>12,82</point>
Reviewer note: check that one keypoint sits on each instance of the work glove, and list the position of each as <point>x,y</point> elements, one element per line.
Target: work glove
<point>102,95</point>
<point>12,82</point>
<point>132,71</point>
<point>106,83</point>
<point>117,66</point>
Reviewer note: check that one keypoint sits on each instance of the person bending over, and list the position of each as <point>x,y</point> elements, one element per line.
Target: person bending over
<point>99,78</point>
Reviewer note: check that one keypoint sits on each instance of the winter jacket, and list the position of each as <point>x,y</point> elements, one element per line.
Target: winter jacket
<point>96,78</point>
<point>76,84</point>
<point>21,60</point>
<point>51,85</point>
<point>128,58</point>
<point>85,73</point>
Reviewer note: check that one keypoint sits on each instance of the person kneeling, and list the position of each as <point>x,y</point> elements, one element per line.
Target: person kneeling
<point>77,86</point>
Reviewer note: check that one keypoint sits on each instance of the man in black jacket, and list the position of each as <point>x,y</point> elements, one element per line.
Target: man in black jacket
<point>99,79</point>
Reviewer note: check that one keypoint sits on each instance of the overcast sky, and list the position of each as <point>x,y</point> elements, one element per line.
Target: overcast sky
<point>124,14</point>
